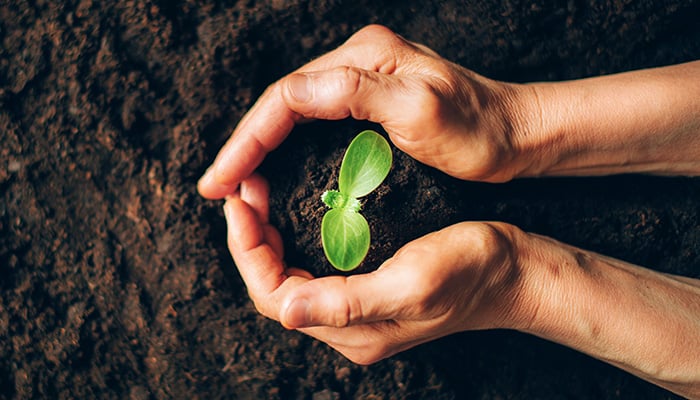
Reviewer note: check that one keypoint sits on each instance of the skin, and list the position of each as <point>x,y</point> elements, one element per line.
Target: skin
<point>477,275</point>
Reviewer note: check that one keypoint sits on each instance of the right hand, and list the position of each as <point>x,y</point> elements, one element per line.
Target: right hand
<point>436,111</point>
<point>464,277</point>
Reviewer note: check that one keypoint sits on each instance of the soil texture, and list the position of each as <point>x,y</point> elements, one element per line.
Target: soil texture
<point>115,281</point>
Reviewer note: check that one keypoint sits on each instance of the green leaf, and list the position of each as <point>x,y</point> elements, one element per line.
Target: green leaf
<point>345,236</point>
<point>344,232</point>
<point>366,163</point>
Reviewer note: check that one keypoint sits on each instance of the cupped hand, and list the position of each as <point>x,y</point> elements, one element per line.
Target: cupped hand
<point>436,111</point>
<point>460,278</point>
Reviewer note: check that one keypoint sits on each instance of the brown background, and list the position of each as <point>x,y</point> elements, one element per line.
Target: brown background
<point>114,277</point>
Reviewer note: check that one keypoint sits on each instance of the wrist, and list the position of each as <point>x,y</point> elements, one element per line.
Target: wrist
<point>636,319</point>
<point>633,122</point>
<point>522,299</point>
<point>515,298</point>
<point>535,138</point>
<point>539,135</point>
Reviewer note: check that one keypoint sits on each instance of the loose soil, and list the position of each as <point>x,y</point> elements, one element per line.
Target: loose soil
<point>115,281</point>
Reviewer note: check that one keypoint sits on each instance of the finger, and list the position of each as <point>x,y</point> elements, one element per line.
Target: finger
<point>256,192</point>
<point>273,238</point>
<point>258,261</point>
<point>210,189</point>
<point>361,344</point>
<point>350,92</point>
<point>260,131</point>
<point>270,120</point>
<point>338,301</point>
<point>369,343</point>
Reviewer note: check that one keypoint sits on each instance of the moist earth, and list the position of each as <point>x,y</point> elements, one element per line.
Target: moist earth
<point>115,280</point>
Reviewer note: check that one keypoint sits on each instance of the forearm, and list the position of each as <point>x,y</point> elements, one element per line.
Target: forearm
<point>645,121</point>
<point>644,322</point>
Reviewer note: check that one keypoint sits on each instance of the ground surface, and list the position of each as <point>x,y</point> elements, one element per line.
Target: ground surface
<point>114,277</point>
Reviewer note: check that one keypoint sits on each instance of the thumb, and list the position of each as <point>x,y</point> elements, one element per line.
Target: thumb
<point>344,92</point>
<point>339,301</point>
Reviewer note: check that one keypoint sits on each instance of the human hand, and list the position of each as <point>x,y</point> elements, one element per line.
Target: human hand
<point>436,111</point>
<point>476,276</point>
<point>460,278</point>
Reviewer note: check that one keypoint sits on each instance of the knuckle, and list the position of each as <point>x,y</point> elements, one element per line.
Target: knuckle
<point>489,239</point>
<point>275,88</point>
<point>495,241</point>
<point>348,309</point>
<point>261,306</point>
<point>350,80</point>
<point>341,319</point>
<point>353,87</point>
<point>382,44</point>
<point>373,33</point>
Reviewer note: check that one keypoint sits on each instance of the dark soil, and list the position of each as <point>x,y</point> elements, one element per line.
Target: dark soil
<point>114,277</point>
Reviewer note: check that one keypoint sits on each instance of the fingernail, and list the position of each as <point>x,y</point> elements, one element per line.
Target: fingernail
<point>298,314</point>
<point>300,87</point>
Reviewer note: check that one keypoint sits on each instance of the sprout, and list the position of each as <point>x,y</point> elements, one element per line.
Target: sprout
<point>344,231</point>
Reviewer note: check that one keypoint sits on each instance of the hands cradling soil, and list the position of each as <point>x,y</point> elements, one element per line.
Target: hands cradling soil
<point>476,275</point>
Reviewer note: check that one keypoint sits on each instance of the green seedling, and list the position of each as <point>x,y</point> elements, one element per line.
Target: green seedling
<point>344,231</point>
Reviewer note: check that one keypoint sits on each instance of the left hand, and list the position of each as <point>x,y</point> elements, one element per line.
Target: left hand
<point>460,278</point>
<point>441,114</point>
